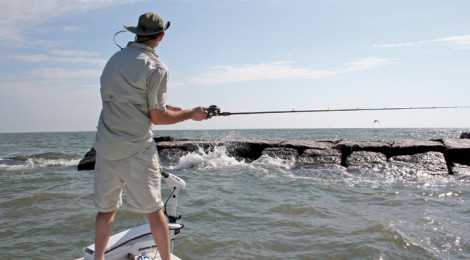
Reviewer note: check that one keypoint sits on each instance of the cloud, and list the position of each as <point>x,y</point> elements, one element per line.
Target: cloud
<point>72,28</point>
<point>19,17</point>
<point>459,42</point>
<point>283,70</point>
<point>68,56</point>
<point>63,74</point>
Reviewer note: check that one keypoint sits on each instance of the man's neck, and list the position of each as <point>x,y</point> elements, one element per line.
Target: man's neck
<point>152,43</point>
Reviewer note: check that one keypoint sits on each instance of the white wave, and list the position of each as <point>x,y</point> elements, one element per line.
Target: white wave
<point>276,162</point>
<point>30,163</point>
<point>217,158</point>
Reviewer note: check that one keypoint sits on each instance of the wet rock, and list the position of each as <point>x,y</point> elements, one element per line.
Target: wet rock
<point>302,145</point>
<point>351,146</point>
<point>188,145</point>
<point>432,163</point>
<point>163,138</point>
<point>366,161</point>
<point>281,153</point>
<point>460,169</point>
<point>88,161</point>
<point>348,147</point>
<point>323,153</point>
<point>409,147</point>
<point>170,156</point>
<point>249,149</point>
<point>465,135</point>
<point>457,150</point>
<point>319,158</point>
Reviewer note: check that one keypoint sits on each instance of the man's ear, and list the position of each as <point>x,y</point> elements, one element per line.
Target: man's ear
<point>161,37</point>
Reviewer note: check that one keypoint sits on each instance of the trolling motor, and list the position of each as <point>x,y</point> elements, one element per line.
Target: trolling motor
<point>175,184</point>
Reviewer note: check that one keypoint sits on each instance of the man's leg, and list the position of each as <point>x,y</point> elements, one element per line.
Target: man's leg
<point>160,233</point>
<point>103,229</point>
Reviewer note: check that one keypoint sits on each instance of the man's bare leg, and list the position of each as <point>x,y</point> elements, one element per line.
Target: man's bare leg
<point>103,229</point>
<point>160,233</point>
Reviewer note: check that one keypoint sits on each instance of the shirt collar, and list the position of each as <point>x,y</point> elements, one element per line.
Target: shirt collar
<point>142,47</point>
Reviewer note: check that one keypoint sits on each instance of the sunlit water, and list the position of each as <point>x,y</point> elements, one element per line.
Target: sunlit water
<point>235,210</point>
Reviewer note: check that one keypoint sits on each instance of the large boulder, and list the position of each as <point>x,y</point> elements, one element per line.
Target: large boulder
<point>249,149</point>
<point>366,161</point>
<point>319,158</point>
<point>429,163</point>
<point>457,151</point>
<point>88,161</point>
<point>408,147</point>
<point>188,145</point>
<point>281,153</point>
<point>460,169</point>
<point>304,144</point>
<point>348,147</point>
<point>170,156</point>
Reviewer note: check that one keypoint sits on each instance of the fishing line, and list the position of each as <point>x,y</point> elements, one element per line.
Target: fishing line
<point>215,111</point>
<point>115,38</point>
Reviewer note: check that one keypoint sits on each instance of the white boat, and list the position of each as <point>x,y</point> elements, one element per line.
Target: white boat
<point>137,242</point>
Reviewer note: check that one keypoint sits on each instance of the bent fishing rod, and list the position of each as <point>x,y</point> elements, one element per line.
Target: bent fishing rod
<point>214,110</point>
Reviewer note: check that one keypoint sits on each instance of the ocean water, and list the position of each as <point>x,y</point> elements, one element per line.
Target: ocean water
<point>236,210</point>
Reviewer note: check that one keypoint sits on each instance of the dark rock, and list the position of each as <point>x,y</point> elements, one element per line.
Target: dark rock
<point>188,145</point>
<point>410,157</point>
<point>302,145</point>
<point>170,156</point>
<point>457,151</point>
<point>366,161</point>
<point>163,139</point>
<point>432,163</point>
<point>281,153</point>
<point>459,169</point>
<point>465,135</point>
<point>408,147</point>
<point>319,158</point>
<point>249,149</point>
<point>347,147</point>
<point>88,162</point>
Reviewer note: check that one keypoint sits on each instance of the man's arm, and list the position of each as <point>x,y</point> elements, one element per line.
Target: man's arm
<point>176,115</point>
<point>172,108</point>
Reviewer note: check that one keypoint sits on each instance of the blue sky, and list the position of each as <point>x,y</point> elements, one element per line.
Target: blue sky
<point>244,55</point>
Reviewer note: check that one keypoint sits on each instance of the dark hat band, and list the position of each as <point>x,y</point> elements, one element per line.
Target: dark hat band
<point>141,31</point>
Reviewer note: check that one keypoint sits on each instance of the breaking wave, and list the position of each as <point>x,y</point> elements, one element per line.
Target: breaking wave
<point>215,159</point>
<point>36,161</point>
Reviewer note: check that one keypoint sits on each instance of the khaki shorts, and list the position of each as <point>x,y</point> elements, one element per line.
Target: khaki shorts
<point>141,176</point>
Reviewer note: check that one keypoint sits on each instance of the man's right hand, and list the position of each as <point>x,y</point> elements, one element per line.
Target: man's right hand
<point>199,113</point>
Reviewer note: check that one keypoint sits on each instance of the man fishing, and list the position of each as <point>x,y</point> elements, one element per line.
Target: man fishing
<point>134,93</point>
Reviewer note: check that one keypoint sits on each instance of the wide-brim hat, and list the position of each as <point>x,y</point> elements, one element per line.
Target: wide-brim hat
<point>149,24</point>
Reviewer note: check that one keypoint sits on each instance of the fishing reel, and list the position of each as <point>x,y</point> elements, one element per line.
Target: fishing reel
<point>213,110</point>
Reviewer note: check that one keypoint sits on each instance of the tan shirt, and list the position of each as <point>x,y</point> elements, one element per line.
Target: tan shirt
<point>133,81</point>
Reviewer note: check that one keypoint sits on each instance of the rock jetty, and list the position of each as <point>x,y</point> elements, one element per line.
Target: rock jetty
<point>436,157</point>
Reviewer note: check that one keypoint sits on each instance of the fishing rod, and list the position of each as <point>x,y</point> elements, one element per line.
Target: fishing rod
<point>214,110</point>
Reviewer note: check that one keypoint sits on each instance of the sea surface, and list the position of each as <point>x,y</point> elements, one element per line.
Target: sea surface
<point>237,210</point>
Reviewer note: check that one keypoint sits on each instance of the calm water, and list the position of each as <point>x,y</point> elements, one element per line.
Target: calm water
<point>234,210</point>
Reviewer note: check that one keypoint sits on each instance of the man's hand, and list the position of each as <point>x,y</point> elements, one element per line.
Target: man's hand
<point>199,113</point>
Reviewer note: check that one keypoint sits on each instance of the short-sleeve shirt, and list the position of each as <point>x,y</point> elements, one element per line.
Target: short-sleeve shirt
<point>133,81</point>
